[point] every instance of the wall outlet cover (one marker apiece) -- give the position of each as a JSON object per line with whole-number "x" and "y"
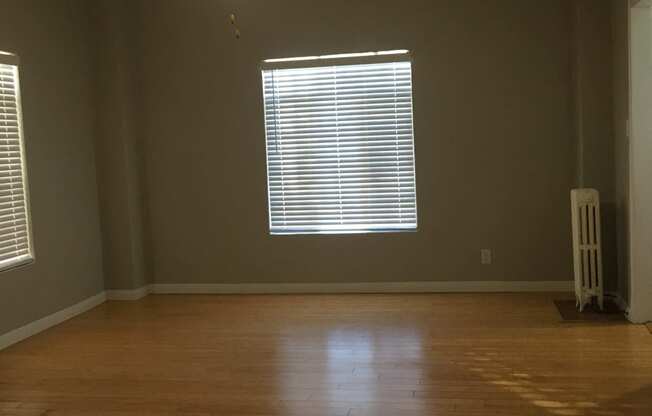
{"x": 485, "y": 256}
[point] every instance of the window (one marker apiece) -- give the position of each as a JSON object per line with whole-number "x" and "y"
{"x": 340, "y": 145}
{"x": 15, "y": 237}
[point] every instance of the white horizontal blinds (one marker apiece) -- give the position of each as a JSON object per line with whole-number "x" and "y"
{"x": 14, "y": 222}
{"x": 340, "y": 149}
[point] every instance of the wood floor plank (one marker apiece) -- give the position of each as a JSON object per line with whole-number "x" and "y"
{"x": 330, "y": 355}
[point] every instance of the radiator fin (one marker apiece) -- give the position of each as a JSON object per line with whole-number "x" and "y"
{"x": 587, "y": 246}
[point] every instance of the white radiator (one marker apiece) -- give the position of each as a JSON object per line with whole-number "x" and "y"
{"x": 587, "y": 247}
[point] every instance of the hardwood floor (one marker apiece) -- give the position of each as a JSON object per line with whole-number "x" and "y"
{"x": 336, "y": 355}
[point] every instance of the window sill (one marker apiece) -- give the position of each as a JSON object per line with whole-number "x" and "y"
{"x": 18, "y": 263}
{"x": 343, "y": 232}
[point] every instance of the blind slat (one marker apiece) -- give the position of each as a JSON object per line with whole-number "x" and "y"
{"x": 10, "y": 259}
{"x": 340, "y": 148}
{"x": 15, "y": 244}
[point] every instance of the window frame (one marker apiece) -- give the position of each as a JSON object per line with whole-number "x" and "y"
{"x": 10, "y": 59}
{"x": 366, "y": 58}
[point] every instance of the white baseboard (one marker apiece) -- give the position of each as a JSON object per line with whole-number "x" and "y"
{"x": 35, "y": 327}
{"x": 370, "y": 287}
{"x": 129, "y": 294}
{"x": 49, "y": 321}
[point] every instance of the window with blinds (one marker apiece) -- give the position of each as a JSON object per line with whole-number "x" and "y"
{"x": 15, "y": 236}
{"x": 340, "y": 144}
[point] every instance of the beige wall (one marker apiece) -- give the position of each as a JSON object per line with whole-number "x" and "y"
{"x": 493, "y": 123}
{"x": 52, "y": 39}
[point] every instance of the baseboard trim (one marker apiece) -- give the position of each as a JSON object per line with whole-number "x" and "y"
{"x": 370, "y": 287}
{"x": 128, "y": 294}
{"x": 56, "y": 318}
{"x": 33, "y": 328}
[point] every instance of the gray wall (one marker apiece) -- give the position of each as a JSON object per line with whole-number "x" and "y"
{"x": 57, "y": 74}
{"x": 119, "y": 144}
{"x": 594, "y": 124}
{"x": 495, "y": 139}
{"x": 173, "y": 104}
{"x": 620, "y": 25}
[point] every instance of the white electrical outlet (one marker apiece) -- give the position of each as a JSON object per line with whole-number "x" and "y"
{"x": 485, "y": 256}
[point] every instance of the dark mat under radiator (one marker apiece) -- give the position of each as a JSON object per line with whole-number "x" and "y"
{"x": 569, "y": 312}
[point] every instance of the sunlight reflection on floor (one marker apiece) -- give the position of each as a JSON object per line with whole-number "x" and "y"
{"x": 518, "y": 382}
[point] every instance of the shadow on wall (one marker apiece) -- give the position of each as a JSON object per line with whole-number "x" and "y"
{"x": 609, "y": 246}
